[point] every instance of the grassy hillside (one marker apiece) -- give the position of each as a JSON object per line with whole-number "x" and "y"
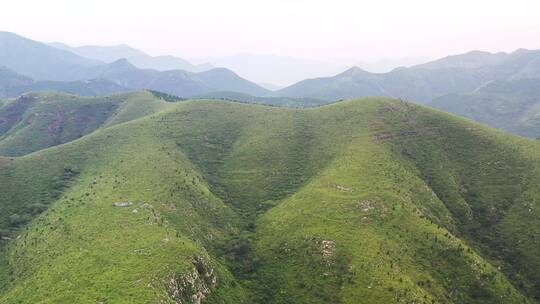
{"x": 368, "y": 201}
{"x": 40, "y": 120}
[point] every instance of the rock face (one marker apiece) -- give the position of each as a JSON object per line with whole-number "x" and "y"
{"x": 192, "y": 287}
{"x": 122, "y": 204}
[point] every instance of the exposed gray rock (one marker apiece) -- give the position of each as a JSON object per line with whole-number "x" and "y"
{"x": 122, "y": 204}
{"x": 194, "y": 286}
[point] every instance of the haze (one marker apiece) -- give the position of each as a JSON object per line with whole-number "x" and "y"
{"x": 344, "y": 31}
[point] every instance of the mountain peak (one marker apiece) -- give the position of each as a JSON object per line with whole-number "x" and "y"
{"x": 122, "y": 62}
{"x": 354, "y": 71}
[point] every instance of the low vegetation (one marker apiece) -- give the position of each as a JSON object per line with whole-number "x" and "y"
{"x": 366, "y": 201}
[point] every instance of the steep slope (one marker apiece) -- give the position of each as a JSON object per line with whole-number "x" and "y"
{"x": 140, "y": 59}
{"x": 40, "y": 120}
{"x": 391, "y": 212}
{"x": 40, "y": 61}
{"x": 151, "y": 250}
{"x": 371, "y": 201}
{"x": 513, "y": 106}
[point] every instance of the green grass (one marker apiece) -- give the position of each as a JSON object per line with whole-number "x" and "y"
{"x": 369, "y": 201}
{"x": 41, "y": 120}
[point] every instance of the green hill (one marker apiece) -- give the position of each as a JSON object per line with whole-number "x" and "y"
{"x": 367, "y": 201}
{"x": 40, "y": 120}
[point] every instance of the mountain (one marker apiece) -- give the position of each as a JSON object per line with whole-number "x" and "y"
{"x": 423, "y": 83}
{"x": 280, "y": 70}
{"x": 13, "y": 85}
{"x": 58, "y": 69}
{"x": 140, "y": 59}
{"x": 365, "y": 201}
{"x": 10, "y": 80}
{"x": 470, "y": 60}
{"x": 222, "y": 79}
{"x": 513, "y": 106}
{"x": 40, "y": 61}
{"x": 270, "y": 86}
{"x": 388, "y": 64}
{"x": 121, "y": 76}
{"x": 351, "y": 83}
{"x": 285, "y": 70}
{"x": 177, "y": 82}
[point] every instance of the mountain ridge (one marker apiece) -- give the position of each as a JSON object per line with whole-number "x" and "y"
{"x": 140, "y": 59}
{"x": 425, "y": 82}
{"x": 38, "y": 60}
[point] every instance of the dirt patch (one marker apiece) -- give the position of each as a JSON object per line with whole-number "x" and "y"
{"x": 55, "y": 128}
{"x": 390, "y": 135}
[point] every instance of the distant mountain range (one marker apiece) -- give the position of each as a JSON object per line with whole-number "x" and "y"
{"x": 178, "y": 82}
{"x": 286, "y": 70}
{"x": 499, "y": 89}
{"x": 512, "y": 105}
{"x": 423, "y": 83}
{"x": 30, "y": 65}
{"x": 40, "y": 61}
{"x": 13, "y": 84}
{"x": 138, "y": 58}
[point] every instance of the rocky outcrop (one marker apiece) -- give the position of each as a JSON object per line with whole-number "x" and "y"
{"x": 194, "y": 286}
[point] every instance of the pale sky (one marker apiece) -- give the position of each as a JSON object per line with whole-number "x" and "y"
{"x": 316, "y": 29}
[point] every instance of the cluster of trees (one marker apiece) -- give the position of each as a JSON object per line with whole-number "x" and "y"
{"x": 166, "y": 97}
